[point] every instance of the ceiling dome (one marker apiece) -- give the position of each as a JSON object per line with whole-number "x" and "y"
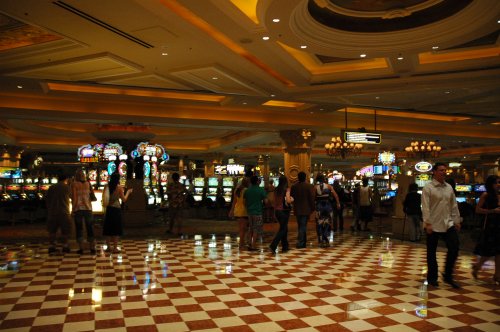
{"x": 382, "y": 16}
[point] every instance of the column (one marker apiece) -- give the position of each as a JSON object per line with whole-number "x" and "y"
{"x": 263, "y": 163}
{"x": 10, "y": 156}
{"x": 210, "y": 161}
{"x": 298, "y": 145}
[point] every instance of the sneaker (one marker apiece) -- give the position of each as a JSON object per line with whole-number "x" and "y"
{"x": 66, "y": 250}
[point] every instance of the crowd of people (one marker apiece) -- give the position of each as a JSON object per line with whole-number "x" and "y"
{"x": 433, "y": 213}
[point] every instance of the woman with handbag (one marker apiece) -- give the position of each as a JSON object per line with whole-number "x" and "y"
{"x": 239, "y": 210}
{"x": 113, "y": 227}
{"x": 489, "y": 242}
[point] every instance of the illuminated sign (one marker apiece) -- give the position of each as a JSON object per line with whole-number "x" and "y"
{"x": 362, "y": 137}
{"x": 453, "y": 165}
{"x": 89, "y": 159}
{"x": 152, "y": 150}
{"x": 423, "y": 167}
{"x": 386, "y": 158}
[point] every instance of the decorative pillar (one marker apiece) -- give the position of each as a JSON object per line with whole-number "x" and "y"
{"x": 10, "y": 156}
{"x": 298, "y": 145}
{"x": 210, "y": 161}
{"x": 263, "y": 163}
{"x": 181, "y": 165}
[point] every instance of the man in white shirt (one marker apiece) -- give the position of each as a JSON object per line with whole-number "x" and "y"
{"x": 441, "y": 220}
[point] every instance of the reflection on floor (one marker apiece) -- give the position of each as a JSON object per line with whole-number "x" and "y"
{"x": 359, "y": 283}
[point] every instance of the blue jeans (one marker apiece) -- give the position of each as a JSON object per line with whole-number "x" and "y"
{"x": 451, "y": 239}
{"x": 84, "y": 217}
{"x": 302, "y": 226}
{"x": 282, "y": 235}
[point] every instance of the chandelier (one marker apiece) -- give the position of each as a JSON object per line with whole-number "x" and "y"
{"x": 340, "y": 149}
{"x": 423, "y": 149}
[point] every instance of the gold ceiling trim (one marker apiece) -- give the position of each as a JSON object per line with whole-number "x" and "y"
{"x": 281, "y": 103}
{"x": 402, "y": 114}
{"x": 218, "y": 36}
{"x": 430, "y": 57}
{"x": 247, "y": 7}
{"x": 123, "y": 91}
{"x": 314, "y": 67}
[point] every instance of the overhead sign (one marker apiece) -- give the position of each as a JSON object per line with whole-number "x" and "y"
{"x": 423, "y": 167}
{"x": 362, "y": 137}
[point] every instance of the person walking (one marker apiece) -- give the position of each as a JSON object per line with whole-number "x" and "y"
{"x": 303, "y": 197}
{"x": 255, "y": 197}
{"x": 113, "y": 227}
{"x": 413, "y": 211}
{"x": 239, "y": 210}
{"x": 489, "y": 242}
{"x": 58, "y": 203}
{"x": 282, "y": 204}
{"x": 365, "y": 203}
{"x": 338, "y": 211}
{"x": 176, "y": 193}
{"x": 441, "y": 220}
{"x": 82, "y": 211}
{"x": 355, "y": 208}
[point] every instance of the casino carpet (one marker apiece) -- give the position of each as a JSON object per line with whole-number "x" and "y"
{"x": 359, "y": 283}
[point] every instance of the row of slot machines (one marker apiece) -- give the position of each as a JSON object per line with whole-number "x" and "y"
{"x": 469, "y": 193}
{"x": 219, "y": 187}
{"x": 25, "y": 189}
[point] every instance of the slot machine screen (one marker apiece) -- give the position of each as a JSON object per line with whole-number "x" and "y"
{"x": 262, "y": 182}
{"x": 378, "y": 170}
{"x": 213, "y": 182}
{"x": 213, "y": 198}
{"x": 197, "y": 198}
{"x": 463, "y": 187}
{"x": 391, "y": 193}
{"x": 227, "y": 182}
{"x": 199, "y": 182}
{"x": 212, "y": 191}
{"x": 461, "y": 199}
{"x": 228, "y": 191}
{"x": 479, "y": 188}
{"x": 198, "y": 191}
{"x": 331, "y": 181}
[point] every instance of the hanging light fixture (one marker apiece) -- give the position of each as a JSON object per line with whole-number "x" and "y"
{"x": 423, "y": 149}
{"x": 338, "y": 148}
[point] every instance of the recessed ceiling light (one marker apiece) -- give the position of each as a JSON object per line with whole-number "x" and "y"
{"x": 400, "y": 58}
{"x": 19, "y": 86}
{"x": 447, "y": 92}
{"x": 265, "y": 38}
{"x": 435, "y": 47}
{"x": 276, "y": 20}
{"x": 273, "y": 96}
{"x": 312, "y": 112}
{"x": 215, "y": 78}
{"x": 362, "y": 55}
{"x": 303, "y": 46}
{"x": 377, "y": 97}
{"x": 244, "y": 103}
{"x": 321, "y": 109}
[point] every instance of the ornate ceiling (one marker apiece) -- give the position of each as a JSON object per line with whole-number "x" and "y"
{"x": 199, "y": 78}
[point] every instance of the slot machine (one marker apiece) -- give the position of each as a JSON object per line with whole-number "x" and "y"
{"x": 92, "y": 177}
{"x": 213, "y": 188}
{"x": 164, "y": 184}
{"x": 199, "y": 187}
{"x": 103, "y": 178}
{"x": 227, "y": 188}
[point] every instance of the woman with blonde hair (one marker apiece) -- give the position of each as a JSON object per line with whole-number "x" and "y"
{"x": 239, "y": 209}
{"x": 82, "y": 211}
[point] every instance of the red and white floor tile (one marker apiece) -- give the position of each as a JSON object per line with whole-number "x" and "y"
{"x": 357, "y": 284}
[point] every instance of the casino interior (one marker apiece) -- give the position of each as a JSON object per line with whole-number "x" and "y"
{"x": 212, "y": 89}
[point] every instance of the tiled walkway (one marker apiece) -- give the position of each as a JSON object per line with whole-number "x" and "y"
{"x": 360, "y": 283}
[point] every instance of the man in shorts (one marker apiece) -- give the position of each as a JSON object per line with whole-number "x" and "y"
{"x": 58, "y": 213}
{"x": 255, "y": 197}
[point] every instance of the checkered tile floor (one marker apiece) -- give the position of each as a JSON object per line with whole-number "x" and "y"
{"x": 357, "y": 284}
